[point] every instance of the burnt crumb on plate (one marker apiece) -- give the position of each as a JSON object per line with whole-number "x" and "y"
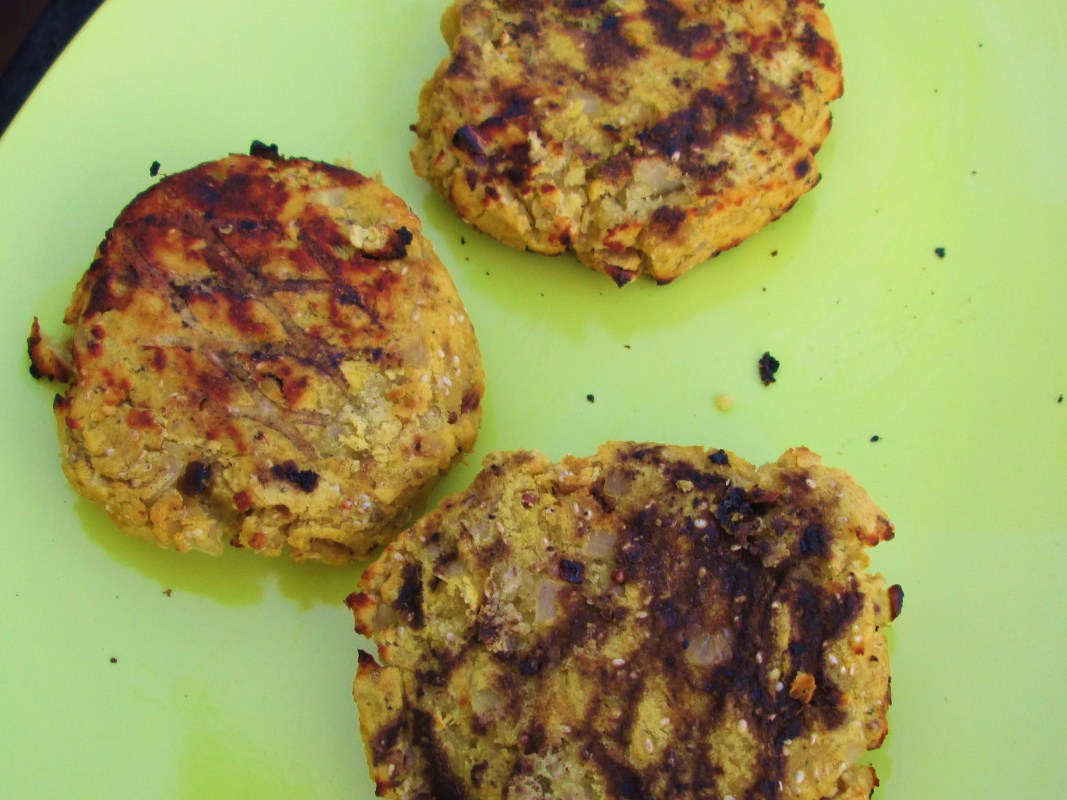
{"x": 114, "y": 660}
{"x": 939, "y": 252}
{"x": 153, "y": 170}
{"x": 768, "y": 366}
{"x": 262, "y": 150}
{"x": 591, "y": 398}
{"x": 876, "y": 438}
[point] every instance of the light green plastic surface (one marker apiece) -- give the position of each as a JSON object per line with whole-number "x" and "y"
{"x": 232, "y": 675}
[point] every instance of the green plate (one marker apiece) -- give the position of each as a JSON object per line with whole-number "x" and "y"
{"x": 128, "y": 671}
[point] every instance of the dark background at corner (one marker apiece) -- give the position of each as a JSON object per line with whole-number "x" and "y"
{"x": 32, "y": 34}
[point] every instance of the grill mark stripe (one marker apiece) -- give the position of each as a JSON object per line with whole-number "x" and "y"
{"x": 244, "y": 280}
{"x": 269, "y": 413}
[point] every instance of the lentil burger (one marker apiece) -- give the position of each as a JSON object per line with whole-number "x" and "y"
{"x": 266, "y": 352}
{"x": 644, "y": 135}
{"x": 650, "y": 621}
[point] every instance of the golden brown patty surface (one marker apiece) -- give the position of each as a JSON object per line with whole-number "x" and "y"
{"x": 644, "y": 135}
{"x": 266, "y": 352}
{"x": 650, "y": 621}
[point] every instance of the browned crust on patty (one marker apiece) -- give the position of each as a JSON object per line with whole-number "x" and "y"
{"x": 643, "y": 135}
{"x": 650, "y": 621}
{"x": 266, "y": 352}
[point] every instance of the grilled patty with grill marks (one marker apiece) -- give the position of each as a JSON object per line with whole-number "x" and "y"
{"x": 650, "y": 621}
{"x": 643, "y": 135}
{"x": 266, "y": 352}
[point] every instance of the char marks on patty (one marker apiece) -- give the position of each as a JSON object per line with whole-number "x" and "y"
{"x": 659, "y": 622}
{"x": 265, "y": 352}
{"x": 560, "y": 125}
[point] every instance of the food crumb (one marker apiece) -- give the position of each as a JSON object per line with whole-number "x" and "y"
{"x": 939, "y": 252}
{"x": 768, "y": 366}
{"x": 590, "y": 398}
{"x": 114, "y": 660}
{"x": 774, "y": 252}
{"x": 168, "y": 592}
{"x": 1059, "y": 399}
{"x": 724, "y": 402}
{"x": 153, "y": 170}
{"x": 876, "y": 438}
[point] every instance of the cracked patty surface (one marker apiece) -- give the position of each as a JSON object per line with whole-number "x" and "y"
{"x": 643, "y": 135}
{"x": 649, "y": 621}
{"x": 266, "y": 352}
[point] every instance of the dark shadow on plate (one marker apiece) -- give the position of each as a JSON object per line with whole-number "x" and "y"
{"x": 235, "y": 579}
{"x": 574, "y": 297}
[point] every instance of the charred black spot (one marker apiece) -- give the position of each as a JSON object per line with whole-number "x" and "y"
{"x": 431, "y": 677}
{"x": 466, "y": 140}
{"x": 409, "y": 599}
{"x": 195, "y": 479}
{"x": 620, "y": 275}
{"x": 532, "y": 739}
{"x": 530, "y": 664}
{"x": 489, "y": 630}
{"x": 815, "y": 541}
{"x": 616, "y": 167}
{"x": 766, "y": 788}
{"x": 443, "y": 783}
{"x": 672, "y": 30}
{"x": 733, "y": 506}
{"x": 790, "y": 731}
{"x": 395, "y": 246}
{"x": 386, "y": 738}
{"x": 676, "y": 134}
{"x": 802, "y": 168}
{"x": 571, "y": 571}
{"x": 305, "y": 480}
{"x": 703, "y": 481}
{"x": 582, "y": 6}
{"x": 666, "y": 220}
{"x": 261, "y": 150}
{"x": 896, "y": 600}
{"x": 816, "y": 47}
{"x": 515, "y": 104}
{"x": 768, "y": 366}
{"x": 472, "y": 398}
{"x": 737, "y": 105}
{"x": 668, "y": 615}
{"x": 609, "y": 48}
{"x": 624, "y": 782}
{"x": 478, "y": 773}
{"x": 491, "y": 126}
{"x": 110, "y": 292}
{"x": 514, "y": 164}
